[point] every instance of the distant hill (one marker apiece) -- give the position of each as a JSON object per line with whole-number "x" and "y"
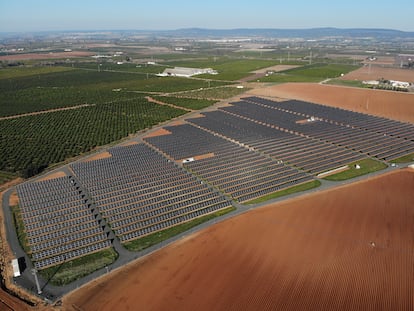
{"x": 312, "y": 33}
{"x": 293, "y": 33}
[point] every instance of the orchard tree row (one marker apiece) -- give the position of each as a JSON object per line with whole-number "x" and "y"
{"x": 30, "y": 144}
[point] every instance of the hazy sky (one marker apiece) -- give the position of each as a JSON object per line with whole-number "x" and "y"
{"x": 39, "y": 15}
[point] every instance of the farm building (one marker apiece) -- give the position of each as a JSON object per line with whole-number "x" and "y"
{"x": 186, "y": 72}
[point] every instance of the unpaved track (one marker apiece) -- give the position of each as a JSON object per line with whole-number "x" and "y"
{"x": 349, "y": 248}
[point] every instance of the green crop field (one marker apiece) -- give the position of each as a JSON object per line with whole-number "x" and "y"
{"x": 310, "y": 73}
{"x": 31, "y": 143}
{"x": 64, "y": 87}
{"x": 125, "y": 67}
{"x": 6, "y": 176}
{"x": 228, "y": 69}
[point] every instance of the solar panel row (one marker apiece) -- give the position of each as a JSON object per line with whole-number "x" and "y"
{"x": 59, "y": 223}
{"x": 140, "y": 192}
{"x": 239, "y": 172}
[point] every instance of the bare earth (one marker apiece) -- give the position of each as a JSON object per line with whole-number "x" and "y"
{"x": 40, "y": 56}
{"x": 99, "y": 156}
{"x": 376, "y": 73}
{"x": 347, "y": 248}
{"x": 394, "y": 105}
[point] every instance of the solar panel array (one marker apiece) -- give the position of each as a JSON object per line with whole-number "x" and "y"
{"x": 59, "y": 222}
{"x": 239, "y": 172}
{"x": 139, "y": 192}
{"x": 310, "y": 155}
{"x": 377, "y": 137}
{"x": 249, "y": 149}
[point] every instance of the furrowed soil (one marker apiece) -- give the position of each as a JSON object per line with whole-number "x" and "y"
{"x": 394, "y": 105}
{"x": 349, "y": 248}
{"x": 376, "y": 73}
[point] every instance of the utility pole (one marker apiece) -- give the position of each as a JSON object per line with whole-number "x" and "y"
{"x": 39, "y": 290}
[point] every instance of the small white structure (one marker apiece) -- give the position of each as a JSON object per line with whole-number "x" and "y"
{"x": 371, "y": 82}
{"x": 188, "y": 160}
{"x": 400, "y": 84}
{"x": 186, "y": 72}
{"x": 16, "y": 269}
{"x": 357, "y": 166}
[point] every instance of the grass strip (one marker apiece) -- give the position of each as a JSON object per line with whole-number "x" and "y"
{"x": 366, "y": 166}
{"x": 20, "y": 230}
{"x": 299, "y": 188}
{"x": 157, "y": 237}
{"x": 75, "y": 269}
{"x": 405, "y": 159}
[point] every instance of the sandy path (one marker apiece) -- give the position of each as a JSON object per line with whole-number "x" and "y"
{"x": 394, "y": 105}
{"x": 348, "y": 248}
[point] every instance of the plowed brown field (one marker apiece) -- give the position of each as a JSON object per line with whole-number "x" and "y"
{"x": 10, "y": 303}
{"x": 394, "y": 105}
{"x": 376, "y": 73}
{"x": 350, "y": 248}
{"x": 73, "y": 54}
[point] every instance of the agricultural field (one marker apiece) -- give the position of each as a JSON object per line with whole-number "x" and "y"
{"x": 125, "y": 67}
{"x": 324, "y": 251}
{"x": 310, "y": 73}
{"x": 62, "y": 88}
{"x": 6, "y": 176}
{"x": 105, "y": 106}
{"x": 31, "y": 143}
{"x": 228, "y": 69}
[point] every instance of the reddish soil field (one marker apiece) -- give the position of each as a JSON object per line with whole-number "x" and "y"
{"x": 10, "y": 303}
{"x": 40, "y": 56}
{"x": 394, "y": 105}
{"x": 350, "y": 248}
{"x": 376, "y": 73}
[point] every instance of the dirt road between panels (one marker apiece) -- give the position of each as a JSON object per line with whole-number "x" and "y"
{"x": 349, "y": 248}
{"x": 394, "y": 105}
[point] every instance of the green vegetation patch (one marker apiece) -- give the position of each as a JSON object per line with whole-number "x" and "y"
{"x": 299, "y": 188}
{"x": 32, "y": 143}
{"x": 405, "y": 159}
{"x": 190, "y": 103}
{"x": 215, "y": 93}
{"x": 6, "y": 177}
{"x": 125, "y": 67}
{"x": 228, "y": 69}
{"x": 310, "y": 73}
{"x": 32, "y": 93}
{"x": 20, "y": 72}
{"x": 155, "y": 238}
{"x": 77, "y": 268}
{"x": 351, "y": 83}
{"x": 366, "y": 166}
{"x": 20, "y": 229}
